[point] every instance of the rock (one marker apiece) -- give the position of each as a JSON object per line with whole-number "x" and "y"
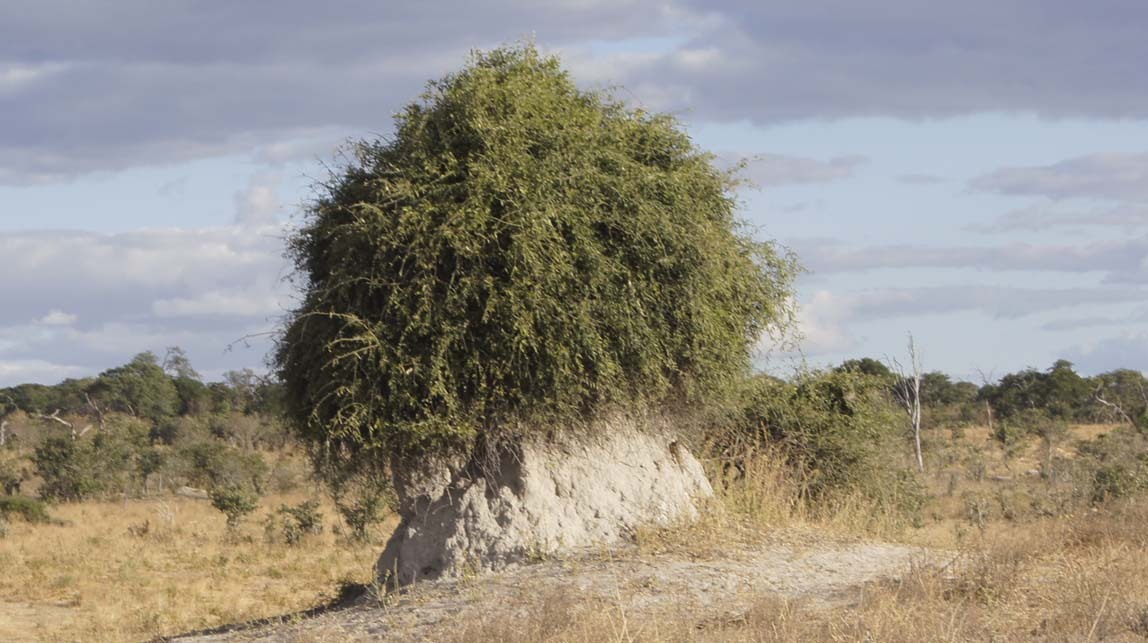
{"x": 537, "y": 498}
{"x": 192, "y": 492}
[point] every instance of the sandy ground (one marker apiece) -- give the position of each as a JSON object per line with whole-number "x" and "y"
{"x": 643, "y": 586}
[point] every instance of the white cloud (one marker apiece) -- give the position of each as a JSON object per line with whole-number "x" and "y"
{"x": 40, "y": 371}
{"x": 1124, "y": 350}
{"x": 823, "y": 322}
{"x": 258, "y": 205}
{"x": 220, "y": 304}
{"x": 1044, "y": 216}
{"x": 58, "y": 318}
{"x": 1119, "y": 261}
{"x": 770, "y": 170}
{"x": 1121, "y": 177}
{"x": 110, "y": 296}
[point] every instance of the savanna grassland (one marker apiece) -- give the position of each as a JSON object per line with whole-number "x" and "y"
{"x": 120, "y": 491}
{"x": 139, "y": 569}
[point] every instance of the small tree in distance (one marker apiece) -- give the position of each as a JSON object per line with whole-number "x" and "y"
{"x": 518, "y": 256}
{"x": 907, "y": 392}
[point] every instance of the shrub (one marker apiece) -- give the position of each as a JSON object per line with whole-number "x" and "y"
{"x": 832, "y": 429}
{"x": 519, "y": 253}
{"x": 210, "y": 464}
{"x": 235, "y": 503}
{"x": 65, "y": 470}
{"x": 292, "y": 524}
{"x": 29, "y": 509}
{"x": 1112, "y": 481}
{"x": 107, "y": 463}
{"x": 11, "y": 473}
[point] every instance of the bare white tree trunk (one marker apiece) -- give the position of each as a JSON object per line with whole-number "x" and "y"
{"x": 55, "y": 417}
{"x": 1111, "y": 405}
{"x": 99, "y": 412}
{"x": 3, "y": 432}
{"x": 908, "y": 393}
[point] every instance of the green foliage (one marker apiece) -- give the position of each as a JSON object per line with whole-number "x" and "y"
{"x": 293, "y": 523}
{"x": 65, "y": 470}
{"x": 832, "y": 429}
{"x": 519, "y": 249}
{"x": 866, "y": 366}
{"x": 29, "y": 509}
{"x": 235, "y": 503}
{"x": 362, "y": 493}
{"x": 1113, "y": 466}
{"x": 109, "y": 462}
{"x": 211, "y": 464}
{"x": 938, "y": 389}
{"x": 139, "y": 388}
{"x": 1059, "y": 391}
{"x": 1117, "y": 480}
{"x": 12, "y": 474}
{"x": 1126, "y": 392}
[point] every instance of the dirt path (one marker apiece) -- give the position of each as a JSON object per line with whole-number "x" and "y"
{"x": 642, "y": 586}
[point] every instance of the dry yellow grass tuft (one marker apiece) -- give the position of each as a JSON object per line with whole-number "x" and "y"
{"x": 135, "y": 570}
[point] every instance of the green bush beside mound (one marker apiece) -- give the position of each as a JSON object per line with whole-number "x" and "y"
{"x": 835, "y": 431}
{"x": 519, "y": 253}
{"x": 28, "y": 509}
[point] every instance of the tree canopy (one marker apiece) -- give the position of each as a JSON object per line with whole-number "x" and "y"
{"x": 520, "y": 252}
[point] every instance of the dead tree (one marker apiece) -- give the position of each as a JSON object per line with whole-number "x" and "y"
{"x": 907, "y": 392}
{"x": 98, "y": 411}
{"x": 1096, "y": 396}
{"x": 55, "y": 417}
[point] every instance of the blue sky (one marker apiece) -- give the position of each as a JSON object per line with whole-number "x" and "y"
{"x": 976, "y": 174}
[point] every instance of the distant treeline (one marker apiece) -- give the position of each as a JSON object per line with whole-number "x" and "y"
{"x": 153, "y": 425}
{"x": 1057, "y": 393}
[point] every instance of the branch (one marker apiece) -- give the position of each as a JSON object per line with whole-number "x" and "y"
{"x": 99, "y": 413}
{"x": 55, "y": 417}
{"x": 1113, "y": 406}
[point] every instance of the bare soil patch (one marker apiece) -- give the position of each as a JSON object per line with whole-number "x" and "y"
{"x": 640, "y": 588}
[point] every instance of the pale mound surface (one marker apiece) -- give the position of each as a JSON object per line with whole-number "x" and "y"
{"x": 642, "y": 587}
{"x": 541, "y": 498}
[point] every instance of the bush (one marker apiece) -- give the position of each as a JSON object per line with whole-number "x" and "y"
{"x": 1113, "y": 466}
{"x": 65, "y": 469}
{"x": 210, "y": 464}
{"x": 29, "y": 509}
{"x": 519, "y": 253}
{"x": 292, "y": 524}
{"x": 107, "y": 463}
{"x": 11, "y": 473}
{"x": 235, "y": 503}
{"x": 832, "y": 429}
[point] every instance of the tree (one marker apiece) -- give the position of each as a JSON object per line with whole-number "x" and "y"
{"x": 1060, "y": 391}
{"x": 1123, "y": 395}
{"x": 866, "y": 366}
{"x": 907, "y": 391}
{"x": 518, "y": 254}
{"x": 177, "y": 365}
{"x": 139, "y": 388}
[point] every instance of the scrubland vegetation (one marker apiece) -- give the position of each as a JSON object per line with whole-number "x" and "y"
{"x": 122, "y": 532}
{"x": 1047, "y": 543}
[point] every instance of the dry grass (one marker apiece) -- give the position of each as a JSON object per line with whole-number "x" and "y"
{"x": 141, "y": 569}
{"x": 1022, "y": 574}
{"x": 1025, "y": 572}
{"x": 1079, "y": 579}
